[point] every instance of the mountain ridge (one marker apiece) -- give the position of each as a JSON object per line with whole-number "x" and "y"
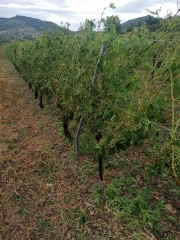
{"x": 149, "y": 20}
{"x": 24, "y": 28}
{"x": 28, "y": 28}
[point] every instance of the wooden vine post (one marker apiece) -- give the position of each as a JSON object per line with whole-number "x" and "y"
{"x": 78, "y": 137}
{"x": 94, "y": 78}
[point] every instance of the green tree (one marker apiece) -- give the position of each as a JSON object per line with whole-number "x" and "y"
{"x": 112, "y": 23}
{"x": 90, "y": 24}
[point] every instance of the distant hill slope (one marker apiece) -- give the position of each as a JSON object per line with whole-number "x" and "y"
{"x": 149, "y": 20}
{"x": 27, "y": 28}
{"x": 2, "y": 20}
{"x": 20, "y": 28}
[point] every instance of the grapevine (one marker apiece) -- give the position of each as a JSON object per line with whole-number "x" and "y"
{"x": 128, "y": 97}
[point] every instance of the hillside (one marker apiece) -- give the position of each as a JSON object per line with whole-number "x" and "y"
{"x": 149, "y": 20}
{"x": 2, "y": 20}
{"x": 20, "y": 28}
{"x": 27, "y": 28}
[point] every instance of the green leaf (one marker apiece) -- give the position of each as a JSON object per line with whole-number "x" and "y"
{"x": 176, "y": 143}
{"x": 112, "y": 5}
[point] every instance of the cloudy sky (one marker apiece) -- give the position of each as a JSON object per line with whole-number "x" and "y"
{"x": 77, "y": 11}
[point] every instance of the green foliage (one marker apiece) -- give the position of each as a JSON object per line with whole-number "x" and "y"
{"x": 155, "y": 169}
{"x": 133, "y": 205}
{"x": 42, "y": 224}
{"x": 81, "y": 214}
{"x": 112, "y": 5}
{"x": 152, "y": 23}
{"x": 165, "y": 157}
{"x": 130, "y": 97}
{"x": 112, "y": 23}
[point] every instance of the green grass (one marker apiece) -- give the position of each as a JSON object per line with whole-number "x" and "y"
{"x": 131, "y": 204}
